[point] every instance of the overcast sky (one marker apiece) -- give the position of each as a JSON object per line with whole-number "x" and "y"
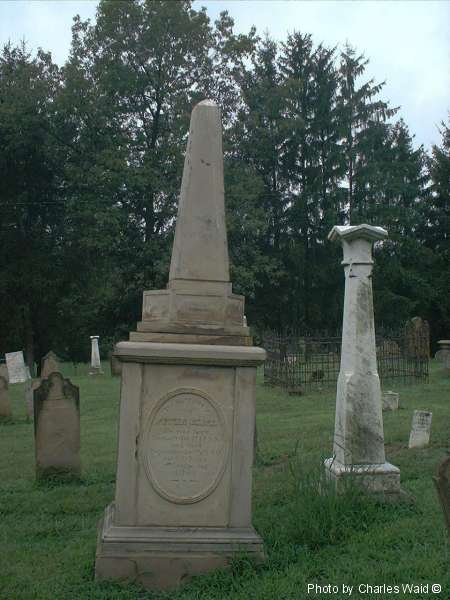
{"x": 407, "y": 42}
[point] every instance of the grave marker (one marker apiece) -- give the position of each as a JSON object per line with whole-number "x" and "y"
{"x": 57, "y": 427}
{"x": 187, "y": 414}
{"x": 358, "y": 435}
{"x": 17, "y": 370}
{"x": 49, "y": 364}
{"x": 96, "y": 365}
{"x": 5, "y": 402}
{"x": 420, "y": 429}
{"x": 390, "y": 400}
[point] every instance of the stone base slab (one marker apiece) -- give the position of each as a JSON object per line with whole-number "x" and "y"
{"x": 380, "y": 479}
{"x": 166, "y": 557}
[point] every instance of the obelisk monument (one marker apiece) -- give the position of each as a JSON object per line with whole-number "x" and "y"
{"x": 183, "y": 492}
{"x": 358, "y": 435}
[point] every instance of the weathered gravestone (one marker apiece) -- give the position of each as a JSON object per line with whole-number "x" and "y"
{"x": 96, "y": 365}
{"x": 31, "y": 385}
{"x": 417, "y": 338}
{"x": 57, "y": 427}
{"x": 420, "y": 429}
{"x": 5, "y": 402}
{"x": 442, "y": 482}
{"x": 187, "y": 414}
{"x": 49, "y": 364}
{"x": 443, "y": 354}
{"x": 390, "y": 400}
{"x": 4, "y": 371}
{"x": 17, "y": 371}
{"x": 358, "y": 435}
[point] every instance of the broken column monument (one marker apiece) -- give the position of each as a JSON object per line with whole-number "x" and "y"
{"x": 187, "y": 414}
{"x": 358, "y": 436}
{"x": 96, "y": 365}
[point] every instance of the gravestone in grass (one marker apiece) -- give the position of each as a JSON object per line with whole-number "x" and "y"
{"x": 30, "y": 386}
{"x": 5, "y": 402}
{"x": 390, "y": 400}
{"x": 57, "y": 427}
{"x": 419, "y": 436}
{"x": 443, "y": 354}
{"x": 183, "y": 493}
{"x": 49, "y": 364}
{"x": 4, "y": 371}
{"x": 358, "y": 435}
{"x": 17, "y": 371}
{"x": 96, "y": 365}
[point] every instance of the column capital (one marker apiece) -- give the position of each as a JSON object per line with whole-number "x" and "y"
{"x": 357, "y": 241}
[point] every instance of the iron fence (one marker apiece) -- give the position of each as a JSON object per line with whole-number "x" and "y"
{"x": 303, "y": 362}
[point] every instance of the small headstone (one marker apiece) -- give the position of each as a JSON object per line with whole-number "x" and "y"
{"x": 443, "y": 354}
{"x": 17, "y": 370}
{"x": 5, "y": 402}
{"x": 420, "y": 429}
{"x": 32, "y": 385}
{"x": 49, "y": 364}
{"x": 390, "y": 400}
{"x": 57, "y": 427}
{"x": 442, "y": 482}
{"x": 96, "y": 365}
{"x": 4, "y": 371}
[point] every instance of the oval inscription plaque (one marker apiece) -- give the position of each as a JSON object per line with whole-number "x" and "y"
{"x": 185, "y": 451}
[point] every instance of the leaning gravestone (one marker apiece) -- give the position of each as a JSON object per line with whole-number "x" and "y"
{"x": 442, "y": 482}
{"x": 5, "y": 402}
{"x": 420, "y": 429}
{"x": 49, "y": 364}
{"x": 17, "y": 370}
{"x": 390, "y": 400}
{"x": 187, "y": 414}
{"x": 57, "y": 427}
{"x": 358, "y": 435}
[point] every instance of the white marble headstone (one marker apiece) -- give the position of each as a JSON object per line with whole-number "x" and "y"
{"x": 17, "y": 370}
{"x": 420, "y": 429}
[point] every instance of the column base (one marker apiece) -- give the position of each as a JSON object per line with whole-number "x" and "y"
{"x": 166, "y": 557}
{"x": 381, "y": 480}
{"x": 95, "y": 371}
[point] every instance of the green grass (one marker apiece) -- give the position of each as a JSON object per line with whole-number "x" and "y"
{"x": 48, "y": 531}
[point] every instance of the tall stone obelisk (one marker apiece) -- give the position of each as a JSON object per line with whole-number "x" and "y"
{"x": 358, "y": 435}
{"x": 187, "y": 413}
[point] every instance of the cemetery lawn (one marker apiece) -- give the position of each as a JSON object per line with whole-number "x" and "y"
{"x": 48, "y": 532}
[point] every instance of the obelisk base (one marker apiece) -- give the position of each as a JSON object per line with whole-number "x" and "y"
{"x": 166, "y": 557}
{"x": 381, "y": 480}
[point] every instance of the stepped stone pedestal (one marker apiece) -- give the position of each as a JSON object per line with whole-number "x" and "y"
{"x": 183, "y": 494}
{"x": 358, "y": 436}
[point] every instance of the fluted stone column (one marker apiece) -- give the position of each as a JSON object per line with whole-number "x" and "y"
{"x": 358, "y": 436}
{"x": 96, "y": 365}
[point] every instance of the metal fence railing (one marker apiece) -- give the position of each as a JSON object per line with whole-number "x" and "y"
{"x": 303, "y": 362}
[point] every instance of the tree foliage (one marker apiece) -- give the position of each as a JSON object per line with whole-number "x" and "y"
{"x": 90, "y": 167}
